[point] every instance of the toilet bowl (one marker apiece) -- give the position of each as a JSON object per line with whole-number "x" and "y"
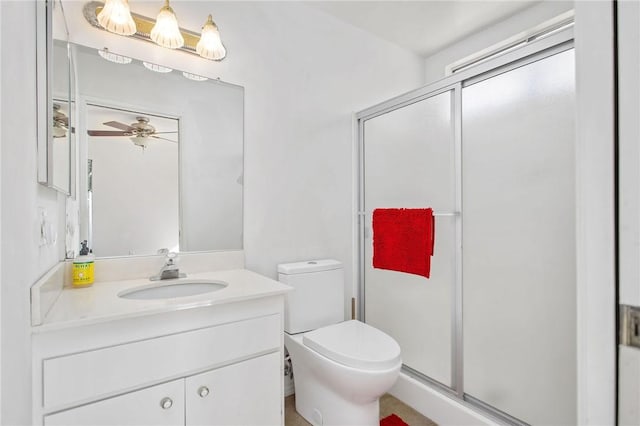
{"x": 340, "y": 368}
{"x": 339, "y": 382}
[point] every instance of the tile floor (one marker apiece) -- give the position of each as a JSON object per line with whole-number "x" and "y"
{"x": 388, "y": 405}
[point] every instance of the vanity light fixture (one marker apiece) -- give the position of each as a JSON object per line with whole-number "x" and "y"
{"x": 210, "y": 46}
{"x": 166, "y": 31}
{"x": 116, "y": 17}
{"x": 194, "y": 77}
{"x": 114, "y": 57}
{"x": 156, "y": 67}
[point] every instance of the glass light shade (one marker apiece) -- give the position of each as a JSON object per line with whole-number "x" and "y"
{"x": 194, "y": 77}
{"x": 141, "y": 141}
{"x": 156, "y": 67}
{"x": 115, "y": 17}
{"x": 166, "y": 31}
{"x": 114, "y": 57}
{"x": 210, "y": 46}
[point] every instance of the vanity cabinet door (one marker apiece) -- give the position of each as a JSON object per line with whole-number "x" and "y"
{"x": 246, "y": 393}
{"x": 161, "y": 405}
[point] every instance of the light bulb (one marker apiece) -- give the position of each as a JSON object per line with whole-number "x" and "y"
{"x": 210, "y": 46}
{"x": 115, "y": 17}
{"x": 166, "y": 31}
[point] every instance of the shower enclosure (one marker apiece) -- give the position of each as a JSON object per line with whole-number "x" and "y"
{"x": 491, "y": 150}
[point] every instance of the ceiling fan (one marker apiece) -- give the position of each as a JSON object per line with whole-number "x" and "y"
{"x": 139, "y": 132}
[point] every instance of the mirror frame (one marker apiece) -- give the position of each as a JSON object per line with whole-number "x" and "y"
{"x": 44, "y": 93}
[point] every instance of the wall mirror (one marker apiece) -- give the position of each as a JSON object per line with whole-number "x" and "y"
{"x": 160, "y": 157}
{"x": 132, "y": 161}
{"x": 56, "y": 98}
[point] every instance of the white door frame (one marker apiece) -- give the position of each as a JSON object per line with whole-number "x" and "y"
{"x": 595, "y": 221}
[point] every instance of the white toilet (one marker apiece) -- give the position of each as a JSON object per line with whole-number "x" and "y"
{"x": 340, "y": 368}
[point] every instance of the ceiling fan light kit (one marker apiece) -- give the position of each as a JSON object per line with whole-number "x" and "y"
{"x": 163, "y": 31}
{"x": 60, "y": 122}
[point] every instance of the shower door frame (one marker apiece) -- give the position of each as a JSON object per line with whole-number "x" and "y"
{"x": 532, "y": 52}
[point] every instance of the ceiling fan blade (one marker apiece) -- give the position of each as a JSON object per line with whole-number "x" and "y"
{"x": 158, "y": 137}
{"x": 119, "y": 125}
{"x": 107, "y": 133}
{"x": 157, "y": 133}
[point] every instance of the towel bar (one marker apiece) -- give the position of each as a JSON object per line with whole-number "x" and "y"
{"x": 435, "y": 214}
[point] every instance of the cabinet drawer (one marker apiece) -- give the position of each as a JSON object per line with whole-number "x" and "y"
{"x": 95, "y": 374}
{"x": 140, "y": 408}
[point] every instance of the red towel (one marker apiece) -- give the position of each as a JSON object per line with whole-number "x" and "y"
{"x": 403, "y": 240}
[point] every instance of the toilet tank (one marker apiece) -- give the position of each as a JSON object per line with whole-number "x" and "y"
{"x": 317, "y": 298}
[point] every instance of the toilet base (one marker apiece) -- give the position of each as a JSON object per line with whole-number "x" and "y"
{"x": 331, "y": 394}
{"x": 327, "y": 409}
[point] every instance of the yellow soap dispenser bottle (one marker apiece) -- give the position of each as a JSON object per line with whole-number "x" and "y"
{"x": 83, "y": 267}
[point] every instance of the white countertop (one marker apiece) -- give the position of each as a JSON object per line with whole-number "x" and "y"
{"x": 100, "y": 302}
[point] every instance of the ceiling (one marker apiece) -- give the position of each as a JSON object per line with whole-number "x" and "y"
{"x": 423, "y": 27}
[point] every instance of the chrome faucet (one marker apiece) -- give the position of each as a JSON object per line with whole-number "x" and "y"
{"x": 170, "y": 269}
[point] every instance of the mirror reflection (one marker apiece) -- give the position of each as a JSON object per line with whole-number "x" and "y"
{"x": 133, "y": 162}
{"x": 160, "y": 158}
{"x": 62, "y": 108}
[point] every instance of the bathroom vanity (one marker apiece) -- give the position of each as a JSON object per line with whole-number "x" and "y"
{"x": 208, "y": 359}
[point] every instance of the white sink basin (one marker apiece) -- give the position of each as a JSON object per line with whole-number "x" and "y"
{"x": 173, "y": 288}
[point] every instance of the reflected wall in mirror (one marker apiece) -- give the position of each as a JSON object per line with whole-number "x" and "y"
{"x": 132, "y": 162}
{"x": 61, "y": 121}
{"x": 200, "y": 195}
{"x": 56, "y": 102}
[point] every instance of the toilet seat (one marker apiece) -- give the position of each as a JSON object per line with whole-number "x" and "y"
{"x": 355, "y": 344}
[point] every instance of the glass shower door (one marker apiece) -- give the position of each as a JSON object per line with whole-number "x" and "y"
{"x": 518, "y": 193}
{"x": 409, "y": 161}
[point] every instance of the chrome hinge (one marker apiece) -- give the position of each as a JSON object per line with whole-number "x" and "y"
{"x": 630, "y": 325}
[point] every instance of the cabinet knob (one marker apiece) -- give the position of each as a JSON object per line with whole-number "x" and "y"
{"x": 166, "y": 403}
{"x": 203, "y": 391}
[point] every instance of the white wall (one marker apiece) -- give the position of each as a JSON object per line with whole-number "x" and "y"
{"x": 530, "y": 17}
{"x": 304, "y": 73}
{"x": 23, "y": 260}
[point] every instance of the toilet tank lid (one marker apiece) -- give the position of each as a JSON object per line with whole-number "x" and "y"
{"x": 308, "y": 266}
